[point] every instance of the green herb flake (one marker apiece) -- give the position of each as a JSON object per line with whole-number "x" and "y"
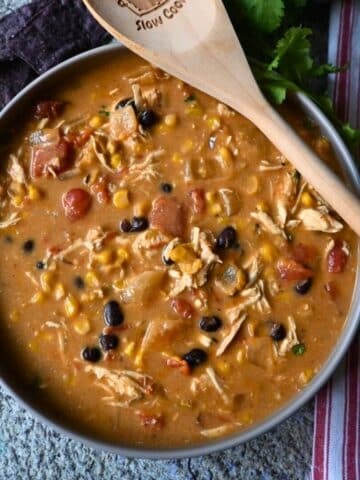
{"x": 299, "y": 349}
{"x": 190, "y": 98}
{"x": 104, "y": 112}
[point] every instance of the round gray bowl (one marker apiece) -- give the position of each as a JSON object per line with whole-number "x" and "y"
{"x": 10, "y": 115}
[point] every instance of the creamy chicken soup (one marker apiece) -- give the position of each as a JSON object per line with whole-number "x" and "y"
{"x": 167, "y": 277}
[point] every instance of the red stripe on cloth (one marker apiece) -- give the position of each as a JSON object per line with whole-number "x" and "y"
{"x": 328, "y": 425}
{"x": 346, "y": 413}
{"x": 353, "y": 411}
{"x": 342, "y": 81}
{"x": 321, "y": 410}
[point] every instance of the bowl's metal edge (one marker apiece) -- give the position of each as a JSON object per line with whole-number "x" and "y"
{"x": 292, "y": 406}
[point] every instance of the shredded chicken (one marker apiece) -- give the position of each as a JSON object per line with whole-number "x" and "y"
{"x": 268, "y": 223}
{"x": 230, "y": 335}
{"x": 125, "y": 386}
{"x": 285, "y": 190}
{"x": 16, "y": 170}
{"x": 251, "y": 296}
{"x": 138, "y": 96}
{"x": 145, "y": 170}
{"x": 266, "y": 166}
{"x": 319, "y": 220}
{"x": 291, "y": 337}
{"x": 216, "y": 383}
{"x": 99, "y": 153}
{"x": 254, "y": 267}
{"x": 149, "y": 242}
{"x": 202, "y": 245}
{"x": 12, "y": 219}
{"x": 215, "y": 432}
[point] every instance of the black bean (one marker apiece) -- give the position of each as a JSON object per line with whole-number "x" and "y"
{"x": 91, "y": 354}
{"x": 125, "y": 225}
{"x": 40, "y": 265}
{"x": 109, "y": 342}
{"x": 227, "y": 238}
{"x": 124, "y": 102}
{"x": 28, "y": 246}
{"x": 167, "y": 261}
{"x": 195, "y": 357}
{"x": 147, "y": 118}
{"x": 277, "y": 332}
{"x": 210, "y": 324}
{"x": 113, "y": 316}
{"x": 166, "y": 187}
{"x": 139, "y": 224}
{"x": 303, "y": 286}
{"x": 79, "y": 282}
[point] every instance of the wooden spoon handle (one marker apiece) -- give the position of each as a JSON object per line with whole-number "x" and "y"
{"x": 313, "y": 169}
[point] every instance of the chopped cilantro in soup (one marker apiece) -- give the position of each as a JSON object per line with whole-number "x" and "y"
{"x": 167, "y": 276}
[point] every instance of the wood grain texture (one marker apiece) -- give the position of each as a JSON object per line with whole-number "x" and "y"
{"x": 198, "y": 45}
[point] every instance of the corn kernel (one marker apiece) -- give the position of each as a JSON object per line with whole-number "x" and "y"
{"x": 187, "y": 146}
{"x": 240, "y": 356}
{"x": 91, "y": 279}
{"x": 213, "y": 123}
{"x": 215, "y": 209}
{"x": 121, "y": 199}
{"x": 38, "y": 297}
{"x": 252, "y": 185}
{"x": 119, "y": 284}
{"x": 262, "y": 206}
{"x": 141, "y": 208}
{"x": 71, "y": 306}
{"x": 182, "y": 254}
{"x": 15, "y": 316}
{"x": 68, "y": 379}
{"x": 111, "y": 147}
{"x": 59, "y": 291}
{"x": 226, "y": 156}
{"x": 193, "y": 109}
{"x": 96, "y": 121}
{"x": 223, "y": 367}
{"x": 176, "y": 158}
{"x": 268, "y": 252}
{"x": 171, "y": 119}
{"x": 105, "y": 257}
{"x": 46, "y": 281}
{"x": 34, "y": 193}
{"x": 129, "y": 349}
{"x": 306, "y": 376}
{"x": 122, "y": 254}
{"x": 210, "y": 197}
{"x": 116, "y": 160}
{"x": 162, "y": 129}
{"x": 307, "y": 200}
{"x": 17, "y": 200}
{"x": 81, "y": 325}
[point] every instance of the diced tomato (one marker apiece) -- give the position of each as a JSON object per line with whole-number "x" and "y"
{"x": 182, "y": 308}
{"x": 56, "y": 157}
{"x": 79, "y": 139}
{"x": 197, "y": 200}
{"x": 101, "y": 189}
{"x": 331, "y": 289}
{"x": 305, "y": 254}
{"x": 168, "y": 216}
{"x": 76, "y": 203}
{"x": 48, "y": 109}
{"x": 290, "y": 269}
{"x": 182, "y": 365}
{"x": 337, "y": 258}
{"x": 155, "y": 421}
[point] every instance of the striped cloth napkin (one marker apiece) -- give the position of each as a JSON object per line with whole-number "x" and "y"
{"x": 336, "y": 448}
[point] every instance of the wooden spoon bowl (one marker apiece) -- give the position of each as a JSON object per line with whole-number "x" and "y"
{"x": 194, "y": 40}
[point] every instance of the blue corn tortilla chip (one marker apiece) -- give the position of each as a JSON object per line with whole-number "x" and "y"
{"x": 40, "y": 35}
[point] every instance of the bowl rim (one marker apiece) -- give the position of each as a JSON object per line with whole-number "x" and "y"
{"x": 293, "y": 404}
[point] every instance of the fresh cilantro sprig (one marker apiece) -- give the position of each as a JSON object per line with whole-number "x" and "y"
{"x": 279, "y": 52}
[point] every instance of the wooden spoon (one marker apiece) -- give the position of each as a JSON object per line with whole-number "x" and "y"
{"x": 194, "y": 40}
